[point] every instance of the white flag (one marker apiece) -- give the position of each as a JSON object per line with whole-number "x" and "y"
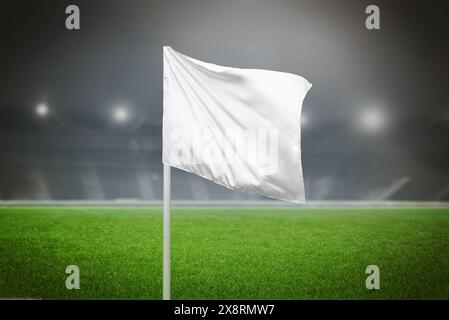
{"x": 237, "y": 127}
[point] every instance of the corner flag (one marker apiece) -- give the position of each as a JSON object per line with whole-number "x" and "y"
{"x": 239, "y": 128}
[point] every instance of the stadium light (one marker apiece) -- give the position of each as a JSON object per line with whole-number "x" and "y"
{"x": 42, "y": 110}
{"x": 372, "y": 120}
{"x": 120, "y": 114}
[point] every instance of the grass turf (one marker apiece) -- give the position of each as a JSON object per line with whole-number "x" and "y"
{"x": 225, "y": 252}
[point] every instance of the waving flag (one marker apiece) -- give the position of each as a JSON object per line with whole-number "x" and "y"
{"x": 237, "y": 127}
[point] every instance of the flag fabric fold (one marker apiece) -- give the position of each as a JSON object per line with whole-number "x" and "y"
{"x": 239, "y": 128}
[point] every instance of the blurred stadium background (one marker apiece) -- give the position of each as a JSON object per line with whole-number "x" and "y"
{"x": 80, "y": 123}
{"x": 81, "y": 111}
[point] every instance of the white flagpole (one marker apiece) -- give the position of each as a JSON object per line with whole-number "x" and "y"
{"x": 166, "y": 250}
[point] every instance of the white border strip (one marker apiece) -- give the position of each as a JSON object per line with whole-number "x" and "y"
{"x": 260, "y": 203}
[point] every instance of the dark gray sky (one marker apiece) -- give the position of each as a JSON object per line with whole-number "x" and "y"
{"x": 399, "y": 74}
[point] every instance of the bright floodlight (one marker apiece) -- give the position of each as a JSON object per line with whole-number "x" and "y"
{"x": 372, "y": 120}
{"x": 42, "y": 110}
{"x": 120, "y": 114}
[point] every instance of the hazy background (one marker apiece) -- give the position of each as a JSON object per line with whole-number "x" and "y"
{"x": 80, "y": 111}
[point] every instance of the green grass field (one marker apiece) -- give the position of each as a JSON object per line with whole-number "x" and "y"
{"x": 225, "y": 253}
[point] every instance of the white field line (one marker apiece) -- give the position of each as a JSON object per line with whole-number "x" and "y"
{"x": 250, "y": 204}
